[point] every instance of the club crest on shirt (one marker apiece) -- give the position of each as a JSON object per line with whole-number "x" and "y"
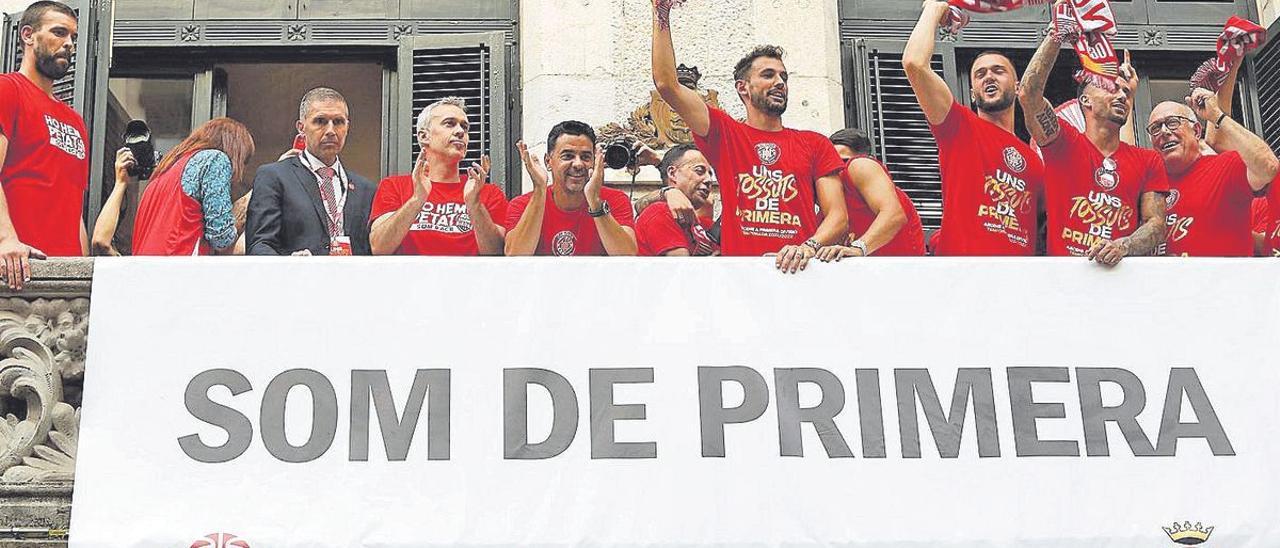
{"x": 1014, "y": 160}
{"x": 563, "y": 243}
{"x": 1106, "y": 176}
{"x": 768, "y": 153}
{"x": 1171, "y": 199}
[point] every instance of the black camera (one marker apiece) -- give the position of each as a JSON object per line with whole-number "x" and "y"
{"x": 621, "y": 153}
{"x": 137, "y": 137}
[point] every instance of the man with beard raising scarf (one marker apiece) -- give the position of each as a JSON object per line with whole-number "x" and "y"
{"x": 42, "y": 149}
{"x": 1104, "y": 198}
{"x": 991, "y": 180}
{"x": 770, "y": 176}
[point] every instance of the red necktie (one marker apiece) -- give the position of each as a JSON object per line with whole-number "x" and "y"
{"x": 334, "y": 225}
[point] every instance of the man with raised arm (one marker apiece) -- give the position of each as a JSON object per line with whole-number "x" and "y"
{"x": 1104, "y": 198}
{"x": 438, "y": 210}
{"x": 991, "y": 180}
{"x": 576, "y": 214}
{"x": 770, "y": 176}
{"x": 1210, "y": 194}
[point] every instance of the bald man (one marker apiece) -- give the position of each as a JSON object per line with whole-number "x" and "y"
{"x": 1207, "y": 209}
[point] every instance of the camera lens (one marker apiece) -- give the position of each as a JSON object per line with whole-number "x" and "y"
{"x": 617, "y": 156}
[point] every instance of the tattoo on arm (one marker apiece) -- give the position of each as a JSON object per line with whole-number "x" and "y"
{"x": 1049, "y": 124}
{"x": 663, "y": 9}
{"x": 1151, "y": 234}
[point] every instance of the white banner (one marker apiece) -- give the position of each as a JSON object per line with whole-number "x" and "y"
{"x": 882, "y": 402}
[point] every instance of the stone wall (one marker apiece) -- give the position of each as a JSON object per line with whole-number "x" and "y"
{"x": 589, "y": 59}
{"x": 43, "y": 331}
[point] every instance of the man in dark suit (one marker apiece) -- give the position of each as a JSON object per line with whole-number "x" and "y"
{"x": 308, "y": 203}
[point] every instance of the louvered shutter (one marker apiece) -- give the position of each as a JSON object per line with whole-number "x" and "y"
{"x": 886, "y": 108}
{"x": 470, "y": 66}
{"x": 1265, "y": 69}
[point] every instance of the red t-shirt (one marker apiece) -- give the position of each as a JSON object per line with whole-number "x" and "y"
{"x": 169, "y": 223}
{"x": 909, "y": 242}
{"x": 657, "y": 233}
{"x": 572, "y": 232}
{"x": 1264, "y": 222}
{"x": 1089, "y": 202}
{"x": 1208, "y": 209}
{"x": 991, "y": 182}
{"x": 767, "y": 183}
{"x": 46, "y": 170}
{"x": 443, "y": 226}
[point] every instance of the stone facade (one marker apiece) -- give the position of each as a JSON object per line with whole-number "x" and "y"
{"x": 43, "y": 332}
{"x": 602, "y": 73}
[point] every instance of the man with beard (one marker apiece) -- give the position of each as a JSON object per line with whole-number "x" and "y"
{"x": 308, "y": 203}
{"x": 578, "y": 215}
{"x": 42, "y": 149}
{"x": 687, "y": 171}
{"x": 770, "y": 176}
{"x": 1104, "y": 198}
{"x": 991, "y": 180}
{"x": 437, "y": 210}
{"x": 1210, "y": 195}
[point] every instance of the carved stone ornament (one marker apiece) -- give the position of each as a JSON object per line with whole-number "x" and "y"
{"x": 400, "y": 31}
{"x": 1153, "y": 37}
{"x": 945, "y": 35}
{"x": 42, "y": 347}
{"x": 296, "y": 33}
{"x": 189, "y": 33}
{"x": 656, "y": 124}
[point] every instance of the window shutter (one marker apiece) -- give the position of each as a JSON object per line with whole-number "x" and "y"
{"x": 887, "y": 110}
{"x": 472, "y": 67}
{"x": 1266, "y": 71}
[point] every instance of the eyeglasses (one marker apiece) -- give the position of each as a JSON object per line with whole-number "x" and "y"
{"x": 1172, "y": 123}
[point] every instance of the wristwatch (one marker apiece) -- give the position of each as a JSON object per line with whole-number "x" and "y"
{"x": 813, "y": 244}
{"x": 604, "y": 210}
{"x": 860, "y": 246}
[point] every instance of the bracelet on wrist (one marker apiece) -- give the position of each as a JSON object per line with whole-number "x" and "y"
{"x": 1220, "y": 119}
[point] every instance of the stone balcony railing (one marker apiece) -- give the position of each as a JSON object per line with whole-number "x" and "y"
{"x": 43, "y": 333}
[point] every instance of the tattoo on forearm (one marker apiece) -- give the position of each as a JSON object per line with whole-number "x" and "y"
{"x": 663, "y": 8}
{"x": 1147, "y": 237}
{"x": 1048, "y": 120}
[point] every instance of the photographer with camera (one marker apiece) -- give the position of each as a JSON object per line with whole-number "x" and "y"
{"x": 186, "y": 210}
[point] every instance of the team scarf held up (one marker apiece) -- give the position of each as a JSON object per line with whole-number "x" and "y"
{"x": 1238, "y": 37}
{"x": 958, "y": 15}
{"x": 1090, "y": 25}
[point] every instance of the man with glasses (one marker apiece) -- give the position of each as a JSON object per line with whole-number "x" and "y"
{"x": 1210, "y": 194}
{"x": 1104, "y": 197}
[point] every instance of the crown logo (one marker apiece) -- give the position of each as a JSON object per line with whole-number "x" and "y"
{"x": 688, "y": 76}
{"x": 1188, "y": 535}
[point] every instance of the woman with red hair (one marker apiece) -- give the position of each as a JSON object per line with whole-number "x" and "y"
{"x": 186, "y": 210}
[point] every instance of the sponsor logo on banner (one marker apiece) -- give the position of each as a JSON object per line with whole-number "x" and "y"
{"x": 1014, "y": 160}
{"x": 1172, "y": 199}
{"x": 1187, "y": 534}
{"x": 563, "y": 243}
{"x": 768, "y": 153}
{"x": 220, "y": 540}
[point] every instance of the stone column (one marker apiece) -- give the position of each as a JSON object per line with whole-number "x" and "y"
{"x": 589, "y": 59}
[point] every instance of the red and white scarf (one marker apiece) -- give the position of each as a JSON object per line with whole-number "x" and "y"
{"x": 1238, "y": 37}
{"x": 958, "y": 15}
{"x": 1090, "y": 25}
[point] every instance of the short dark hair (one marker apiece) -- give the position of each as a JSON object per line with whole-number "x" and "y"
{"x": 854, "y": 138}
{"x": 569, "y": 127}
{"x": 35, "y": 13}
{"x": 741, "y": 69}
{"x": 675, "y": 154}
